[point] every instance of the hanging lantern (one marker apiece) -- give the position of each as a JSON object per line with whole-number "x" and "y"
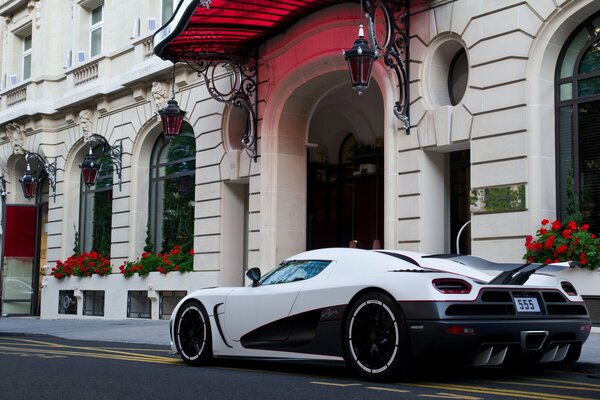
{"x": 89, "y": 169}
{"x": 360, "y": 60}
{"x": 28, "y": 184}
{"x": 172, "y": 119}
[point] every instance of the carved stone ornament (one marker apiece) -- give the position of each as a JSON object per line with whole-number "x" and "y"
{"x": 85, "y": 121}
{"x": 16, "y": 135}
{"x": 160, "y": 94}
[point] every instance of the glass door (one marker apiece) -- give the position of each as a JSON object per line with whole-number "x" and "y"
{"x": 20, "y": 264}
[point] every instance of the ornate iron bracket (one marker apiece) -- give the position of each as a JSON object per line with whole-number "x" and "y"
{"x": 48, "y": 169}
{"x": 114, "y": 152}
{"x": 388, "y": 22}
{"x": 242, "y": 91}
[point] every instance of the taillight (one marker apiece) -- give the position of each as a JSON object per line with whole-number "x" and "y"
{"x": 460, "y": 330}
{"x": 451, "y": 286}
{"x": 569, "y": 288}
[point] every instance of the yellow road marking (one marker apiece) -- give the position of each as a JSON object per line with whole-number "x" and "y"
{"x": 108, "y": 355}
{"x": 96, "y": 349}
{"x": 336, "y": 384}
{"x": 573, "y": 387}
{"x": 577, "y": 383}
{"x": 383, "y": 389}
{"x": 35, "y": 343}
{"x": 442, "y": 395}
{"x": 502, "y": 392}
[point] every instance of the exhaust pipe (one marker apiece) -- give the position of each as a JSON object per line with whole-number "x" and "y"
{"x": 533, "y": 340}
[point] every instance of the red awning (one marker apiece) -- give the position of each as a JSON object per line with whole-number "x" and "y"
{"x": 228, "y": 26}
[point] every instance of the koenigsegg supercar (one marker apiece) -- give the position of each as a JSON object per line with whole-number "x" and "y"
{"x": 381, "y": 311}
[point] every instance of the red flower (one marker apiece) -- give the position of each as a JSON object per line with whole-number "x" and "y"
{"x": 543, "y": 231}
{"x": 548, "y": 261}
{"x": 582, "y": 258}
{"x": 556, "y": 225}
{"x": 528, "y": 239}
{"x": 562, "y": 249}
{"x": 545, "y": 221}
{"x": 566, "y": 234}
{"x": 192, "y": 251}
{"x": 549, "y": 242}
{"x": 584, "y": 227}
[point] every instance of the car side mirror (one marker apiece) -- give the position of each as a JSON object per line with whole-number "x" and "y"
{"x": 254, "y": 275}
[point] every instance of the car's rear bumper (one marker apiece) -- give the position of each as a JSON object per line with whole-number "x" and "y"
{"x": 496, "y": 342}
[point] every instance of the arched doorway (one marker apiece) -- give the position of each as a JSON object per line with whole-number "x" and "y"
{"x": 345, "y": 183}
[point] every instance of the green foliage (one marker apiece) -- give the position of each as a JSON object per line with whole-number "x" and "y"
{"x": 497, "y": 199}
{"x": 148, "y": 247}
{"x": 572, "y": 209}
{"x": 76, "y": 248}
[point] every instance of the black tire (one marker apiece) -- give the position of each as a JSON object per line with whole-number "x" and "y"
{"x": 375, "y": 338}
{"x": 192, "y": 334}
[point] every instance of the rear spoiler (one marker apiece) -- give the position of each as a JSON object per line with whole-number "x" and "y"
{"x": 512, "y": 273}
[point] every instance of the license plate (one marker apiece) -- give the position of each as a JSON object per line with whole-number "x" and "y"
{"x": 527, "y": 304}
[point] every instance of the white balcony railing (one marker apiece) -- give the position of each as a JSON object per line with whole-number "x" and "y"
{"x": 15, "y": 96}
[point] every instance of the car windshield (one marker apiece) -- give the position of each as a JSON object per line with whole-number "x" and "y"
{"x": 295, "y": 270}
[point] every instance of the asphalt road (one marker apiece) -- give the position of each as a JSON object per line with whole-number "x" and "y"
{"x": 52, "y": 368}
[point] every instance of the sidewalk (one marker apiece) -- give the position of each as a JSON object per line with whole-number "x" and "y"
{"x": 157, "y": 332}
{"x": 125, "y": 331}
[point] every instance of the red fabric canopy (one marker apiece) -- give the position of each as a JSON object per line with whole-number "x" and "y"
{"x": 228, "y": 26}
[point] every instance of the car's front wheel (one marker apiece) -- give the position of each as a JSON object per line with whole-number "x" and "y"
{"x": 375, "y": 338}
{"x": 192, "y": 333}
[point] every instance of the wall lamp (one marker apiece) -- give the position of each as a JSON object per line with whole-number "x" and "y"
{"x": 389, "y": 41}
{"x": 171, "y": 116}
{"x": 29, "y": 182}
{"x": 90, "y": 167}
{"x": 2, "y": 187}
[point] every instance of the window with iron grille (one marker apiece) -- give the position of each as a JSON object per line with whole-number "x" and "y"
{"x": 93, "y": 303}
{"x": 168, "y": 301}
{"x": 67, "y": 302}
{"x": 138, "y": 304}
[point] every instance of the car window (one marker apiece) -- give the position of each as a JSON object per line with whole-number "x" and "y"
{"x": 292, "y": 271}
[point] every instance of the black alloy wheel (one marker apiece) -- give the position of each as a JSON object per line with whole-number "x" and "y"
{"x": 375, "y": 338}
{"x": 192, "y": 334}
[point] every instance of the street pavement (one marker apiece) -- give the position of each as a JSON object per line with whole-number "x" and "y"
{"x": 155, "y": 332}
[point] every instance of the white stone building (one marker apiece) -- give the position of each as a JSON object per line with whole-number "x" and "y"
{"x": 503, "y": 96}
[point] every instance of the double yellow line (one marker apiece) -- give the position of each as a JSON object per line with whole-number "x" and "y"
{"x": 37, "y": 347}
{"x": 485, "y": 390}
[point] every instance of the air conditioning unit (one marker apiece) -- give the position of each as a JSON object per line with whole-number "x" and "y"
{"x": 151, "y": 24}
{"x": 68, "y": 59}
{"x": 136, "y": 28}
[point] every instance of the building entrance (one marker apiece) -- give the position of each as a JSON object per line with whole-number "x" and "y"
{"x": 345, "y": 171}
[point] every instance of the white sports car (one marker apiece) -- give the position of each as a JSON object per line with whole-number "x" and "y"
{"x": 381, "y": 311}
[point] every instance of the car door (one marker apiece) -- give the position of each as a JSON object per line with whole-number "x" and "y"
{"x": 250, "y": 308}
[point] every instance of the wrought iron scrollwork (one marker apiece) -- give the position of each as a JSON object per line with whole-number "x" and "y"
{"x": 388, "y": 22}
{"x": 48, "y": 170}
{"x": 115, "y": 153}
{"x": 242, "y": 91}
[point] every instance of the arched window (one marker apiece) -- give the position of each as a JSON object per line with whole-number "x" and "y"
{"x": 95, "y": 214}
{"x": 578, "y": 124}
{"x": 172, "y": 182}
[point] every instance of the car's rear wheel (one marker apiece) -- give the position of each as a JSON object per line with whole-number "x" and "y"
{"x": 192, "y": 333}
{"x": 375, "y": 338}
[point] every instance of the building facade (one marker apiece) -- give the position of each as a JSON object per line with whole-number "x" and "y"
{"x": 503, "y": 101}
